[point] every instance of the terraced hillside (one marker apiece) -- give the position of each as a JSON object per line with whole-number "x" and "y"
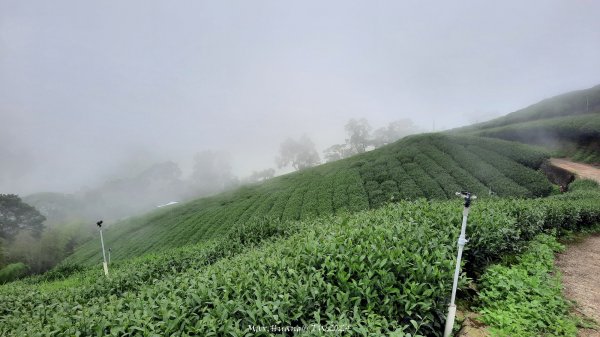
{"x": 384, "y": 272}
{"x": 432, "y": 166}
{"x": 568, "y": 124}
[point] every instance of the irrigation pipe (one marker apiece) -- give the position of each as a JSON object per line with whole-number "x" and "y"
{"x": 462, "y": 240}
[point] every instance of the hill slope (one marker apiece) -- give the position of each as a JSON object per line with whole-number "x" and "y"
{"x": 568, "y": 124}
{"x": 381, "y": 272}
{"x": 433, "y": 166}
{"x": 580, "y": 102}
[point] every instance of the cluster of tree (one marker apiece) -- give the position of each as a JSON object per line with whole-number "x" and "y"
{"x": 360, "y": 138}
{"x": 211, "y": 174}
{"x": 39, "y": 237}
{"x": 260, "y": 176}
{"x": 125, "y": 196}
{"x": 301, "y": 153}
{"x": 15, "y": 216}
{"x": 27, "y": 246}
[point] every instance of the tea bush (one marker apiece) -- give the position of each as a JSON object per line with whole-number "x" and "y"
{"x": 378, "y": 272}
{"x": 433, "y": 166}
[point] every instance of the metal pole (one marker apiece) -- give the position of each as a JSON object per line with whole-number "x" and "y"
{"x": 462, "y": 240}
{"x": 109, "y": 249}
{"x": 104, "y": 264}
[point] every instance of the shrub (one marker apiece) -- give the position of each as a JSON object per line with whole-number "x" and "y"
{"x": 525, "y": 299}
{"x": 12, "y": 272}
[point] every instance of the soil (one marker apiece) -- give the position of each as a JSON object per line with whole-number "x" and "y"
{"x": 580, "y": 268}
{"x": 581, "y": 170}
{"x": 471, "y": 327}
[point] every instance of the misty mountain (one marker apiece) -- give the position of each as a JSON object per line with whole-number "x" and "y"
{"x": 117, "y": 198}
{"x": 567, "y": 124}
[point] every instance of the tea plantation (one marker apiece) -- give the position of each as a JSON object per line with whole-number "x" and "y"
{"x": 577, "y": 137}
{"x": 575, "y": 103}
{"x": 364, "y": 246}
{"x": 433, "y": 166}
{"x": 568, "y": 125}
{"x": 377, "y": 272}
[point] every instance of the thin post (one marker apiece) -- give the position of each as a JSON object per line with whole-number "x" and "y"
{"x": 104, "y": 264}
{"x": 587, "y": 104}
{"x": 462, "y": 240}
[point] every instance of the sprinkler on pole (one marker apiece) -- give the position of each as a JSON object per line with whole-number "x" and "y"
{"x": 104, "y": 264}
{"x": 462, "y": 240}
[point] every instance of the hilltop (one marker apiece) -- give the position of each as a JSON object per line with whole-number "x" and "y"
{"x": 568, "y": 125}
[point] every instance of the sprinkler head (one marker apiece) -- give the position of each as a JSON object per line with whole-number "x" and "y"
{"x": 467, "y": 196}
{"x": 99, "y": 223}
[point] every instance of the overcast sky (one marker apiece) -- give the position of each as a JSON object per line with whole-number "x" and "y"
{"x": 88, "y": 87}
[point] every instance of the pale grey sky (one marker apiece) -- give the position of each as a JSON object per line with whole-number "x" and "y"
{"x": 86, "y": 86}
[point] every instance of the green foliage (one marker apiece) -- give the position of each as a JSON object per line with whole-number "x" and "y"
{"x": 534, "y": 181}
{"x": 380, "y": 272}
{"x": 432, "y": 166}
{"x": 60, "y": 272}
{"x": 568, "y": 125}
{"x": 583, "y": 185}
{"x": 587, "y": 153}
{"x": 42, "y": 253}
{"x": 572, "y": 136}
{"x": 12, "y": 272}
{"x": 485, "y": 171}
{"x": 570, "y": 104}
{"x": 525, "y": 299}
{"x": 16, "y": 216}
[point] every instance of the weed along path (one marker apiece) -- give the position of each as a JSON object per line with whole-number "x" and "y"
{"x": 580, "y": 267}
{"x": 581, "y": 170}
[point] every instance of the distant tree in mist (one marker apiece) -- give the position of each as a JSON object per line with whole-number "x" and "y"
{"x": 23, "y": 248}
{"x": 58, "y": 208}
{"x": 337, "y": 152}
{"x": 125, "y": 196}
{"x": 162, "y": 182}
{"x": 360, "y": 137}
{"x": 392, "y": 132}
{"x": 300, "y": 154}
{"x": 358, "y": 132}
{"x": 258, "y": 176}
{"x": 212, "y": 173}
{"x": 16, "y": 216}
{"x": 42, "y": 253}
{"x": 166, "y": 171}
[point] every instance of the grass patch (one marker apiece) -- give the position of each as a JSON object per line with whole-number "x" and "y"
{"x": 525, "y": 299}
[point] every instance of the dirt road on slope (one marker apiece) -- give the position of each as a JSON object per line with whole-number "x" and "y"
{"x": 580, "y": 267}
{"x": 581, "y": 170}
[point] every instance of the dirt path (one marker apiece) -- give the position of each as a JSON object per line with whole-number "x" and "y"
{"x": 580, "y": 267}
{"x": 581, "y": 170}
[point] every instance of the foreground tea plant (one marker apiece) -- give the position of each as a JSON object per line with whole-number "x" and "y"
{"x": 380, "y": 272}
